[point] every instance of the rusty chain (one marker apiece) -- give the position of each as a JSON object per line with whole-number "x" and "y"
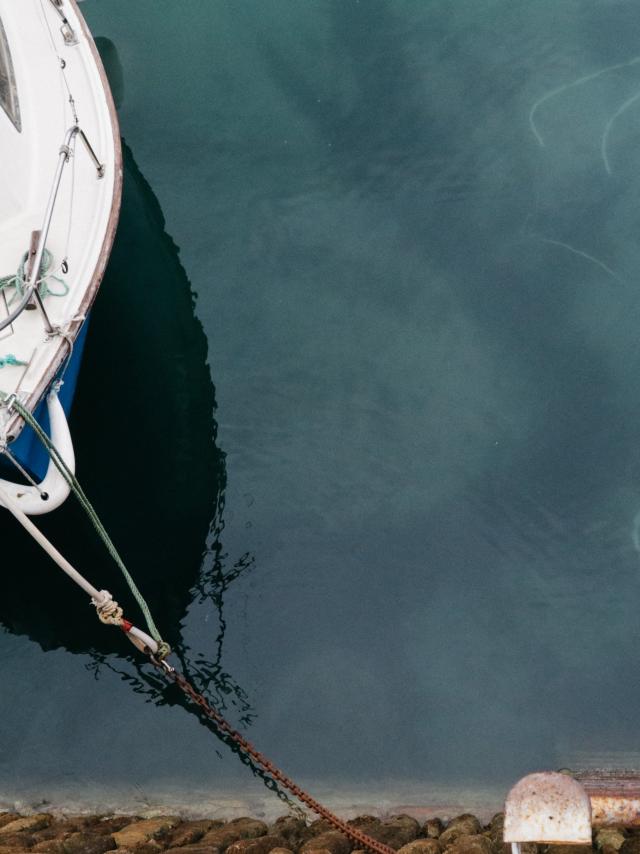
{"x": 259, "y": 759}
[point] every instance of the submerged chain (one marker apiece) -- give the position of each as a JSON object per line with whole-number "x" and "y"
{"x": 259, "y": 759}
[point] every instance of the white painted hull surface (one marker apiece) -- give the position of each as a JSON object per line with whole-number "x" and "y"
{"x": 47, "y": 70}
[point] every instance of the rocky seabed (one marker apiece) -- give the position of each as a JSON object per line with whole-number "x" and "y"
{"x": 287, "y": 835}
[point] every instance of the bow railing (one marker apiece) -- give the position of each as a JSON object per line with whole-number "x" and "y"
{"x": 31, "y": 287}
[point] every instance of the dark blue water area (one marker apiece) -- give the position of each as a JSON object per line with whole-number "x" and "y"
{"x": 360, "y": 405}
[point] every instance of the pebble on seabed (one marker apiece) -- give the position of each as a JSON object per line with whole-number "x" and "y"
{"x": 96, "y": 834}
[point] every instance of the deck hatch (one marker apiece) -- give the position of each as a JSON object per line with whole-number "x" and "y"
{"x": 8, "y": 91}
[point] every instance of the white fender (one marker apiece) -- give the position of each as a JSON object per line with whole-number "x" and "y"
{"x": 29, "y": 498}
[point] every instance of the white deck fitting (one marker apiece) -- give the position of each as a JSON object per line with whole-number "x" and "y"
{"x": 84, "y": 230}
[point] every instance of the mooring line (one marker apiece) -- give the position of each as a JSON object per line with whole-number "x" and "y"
{"x": 266, "y": 764}
{"x": 111, "y": 613}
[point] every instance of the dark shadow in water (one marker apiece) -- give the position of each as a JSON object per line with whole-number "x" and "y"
{"x": 144, "y": 435}
{"x": 145, "y": 439}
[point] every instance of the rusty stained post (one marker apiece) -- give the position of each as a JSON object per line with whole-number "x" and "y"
{"x": 547, "y": 807}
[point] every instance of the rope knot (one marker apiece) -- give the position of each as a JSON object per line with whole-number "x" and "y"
{"x": 109, "y": 612}
{"x": 164, "y": 650}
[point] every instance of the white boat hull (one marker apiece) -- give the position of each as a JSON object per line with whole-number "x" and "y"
{"x": 63, "y": 97}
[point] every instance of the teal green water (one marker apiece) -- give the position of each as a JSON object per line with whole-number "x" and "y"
{"x": 360, "y": 406}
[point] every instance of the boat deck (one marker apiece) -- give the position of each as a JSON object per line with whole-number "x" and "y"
{"x": 59, "y": 83}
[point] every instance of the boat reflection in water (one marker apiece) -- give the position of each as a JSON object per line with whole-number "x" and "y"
{"x": 147, "y": 457}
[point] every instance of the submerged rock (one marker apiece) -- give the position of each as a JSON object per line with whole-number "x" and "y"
{"x": 629, "y": 846}
{"x": 332, "y": 841}
{"x": 400, "y": 830}
{"x": 394, "y": 832}
{"x": 432, "y": 828}
{"x": 196, "y": 848}
{"x": 496, "y": 826}
{"x": 569, "y": 849}
{"x": 30, "y": 822}
{"x": 85, "y": 842}
{"x": 17, "y": 840}
{"x": 192, "y": 831}
{"x": 320, "y": 825}
{"x": 53, "y": 846}
{"x": 153, "y": 846}
{"x": 293, "y": 829}
{"x": 363, "y": 822}
{"x": 111, "y": 824}
{"x": 134, "y": 835}
{"x": 373, "y": 827}
{"x": 421, "y": 846}
{"x": 233, "y": 831}
{"x": 261, "y": 845}
{"x": 287, "y": 835}
{"x": 462, "y": 825}
{"x": 470, "y": 844}
{"x": 250, "y": 828}
{"x": 610, "y": 837}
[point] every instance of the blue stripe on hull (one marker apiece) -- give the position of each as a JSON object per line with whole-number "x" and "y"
{"x": 27, "y": 448}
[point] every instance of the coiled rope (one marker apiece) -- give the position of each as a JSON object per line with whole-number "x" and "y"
{"x": 11, "y": 361}
{"x": 18, "y": 280}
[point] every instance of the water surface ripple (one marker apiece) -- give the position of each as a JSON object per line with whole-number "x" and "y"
{"x": 359, "y": 406}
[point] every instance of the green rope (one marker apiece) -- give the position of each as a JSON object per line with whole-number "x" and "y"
{"x": 163, "y": 648}
{"x": 18, "y": 280}
{"x": 10, "y": 360}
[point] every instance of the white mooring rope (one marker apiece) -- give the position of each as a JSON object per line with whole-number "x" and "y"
{"x": 108, "y": 610}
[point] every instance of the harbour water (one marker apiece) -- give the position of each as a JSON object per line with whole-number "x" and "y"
{"x": 360, "y": 407}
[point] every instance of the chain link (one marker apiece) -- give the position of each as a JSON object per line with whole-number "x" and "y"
{"x": 259, "y": 759}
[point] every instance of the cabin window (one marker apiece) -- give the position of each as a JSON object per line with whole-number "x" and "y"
{"x": 8, "y": 91}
